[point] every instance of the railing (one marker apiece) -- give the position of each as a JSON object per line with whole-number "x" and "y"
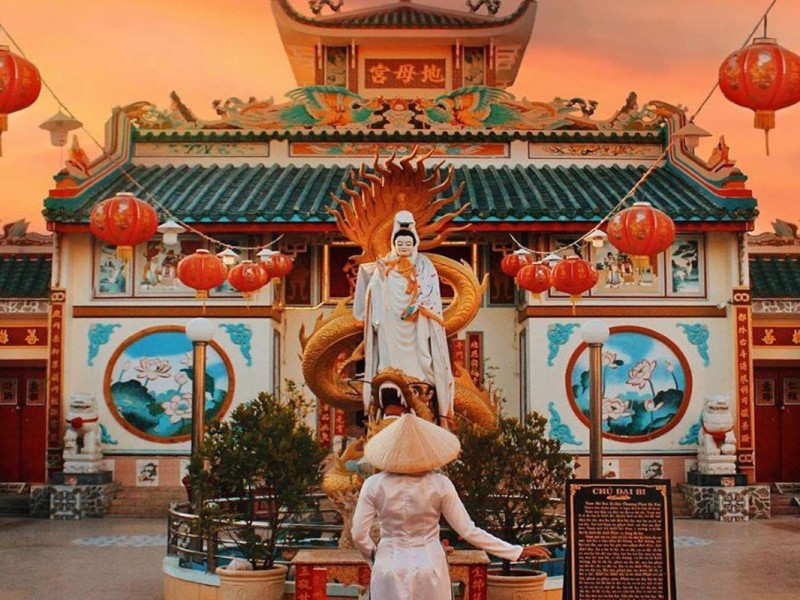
{"x": 205, "y": 549}
{"x": 196, "y": 547}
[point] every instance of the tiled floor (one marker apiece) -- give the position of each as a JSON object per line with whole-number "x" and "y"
{"x": 111, "y": 559}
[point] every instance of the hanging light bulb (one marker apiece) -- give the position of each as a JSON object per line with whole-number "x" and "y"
{"x": 59, "y": 126}
{"x": 598, "y": 238}
{"x": 691, "y": 134}
{"x": 552, "y": 259}
{"x": 228, "y": 256}
{"x": 170, "y": 232}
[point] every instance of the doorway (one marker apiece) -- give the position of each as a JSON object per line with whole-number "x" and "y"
{"x": 23, "y": 423}
{"x": 777, "y": 407}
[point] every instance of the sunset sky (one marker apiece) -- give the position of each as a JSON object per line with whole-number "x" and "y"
{"x": 97, "y": 54}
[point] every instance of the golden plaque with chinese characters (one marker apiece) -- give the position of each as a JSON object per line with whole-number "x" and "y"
{"x": 405, "y": 73}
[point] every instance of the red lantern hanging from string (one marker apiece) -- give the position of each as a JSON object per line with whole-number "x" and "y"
{"x": 124, "y": 221}
{"x": 20, "y": 85}
{"x": 574, "y": 276}
{"x": 763, "y": 77}
{"x": 202, "y": 271}
{"x": 513, "y": 262}
{"x": 248, "y": 277}
{"x": 641, "y": 230}
{"x": 275, "y": 264}
{"x": 536, "y": 278}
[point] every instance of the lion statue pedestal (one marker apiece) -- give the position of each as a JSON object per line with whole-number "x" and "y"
{"x": 82, "y": 450}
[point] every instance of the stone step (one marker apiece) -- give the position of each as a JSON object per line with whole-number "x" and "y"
{"x": 14, "y": 505}
{"x": 782, "y": 511}
{"x": 782, "y": 500}
{"x": 127, "y": 491}
{"x": 133, "y": 501}
{"x": 143, "y": 512}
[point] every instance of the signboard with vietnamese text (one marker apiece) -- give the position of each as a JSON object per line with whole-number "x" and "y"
{"x": 400, "y": 73}
{"x": 619, "y": 540}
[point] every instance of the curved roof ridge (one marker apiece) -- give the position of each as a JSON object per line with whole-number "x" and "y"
{"x": 408, "y": 15}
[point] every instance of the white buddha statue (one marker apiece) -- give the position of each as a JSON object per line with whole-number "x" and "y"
{"x": 399, "y": 301}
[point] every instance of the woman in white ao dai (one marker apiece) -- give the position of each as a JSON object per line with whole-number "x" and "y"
{"x": 410, "y": 563}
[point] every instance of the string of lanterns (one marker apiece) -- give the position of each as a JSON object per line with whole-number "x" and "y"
{"x": 126, "y": 221}
{"x": 640, "y": 231}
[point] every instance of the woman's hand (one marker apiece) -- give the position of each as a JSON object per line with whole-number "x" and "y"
{"x": 534, "y": 552}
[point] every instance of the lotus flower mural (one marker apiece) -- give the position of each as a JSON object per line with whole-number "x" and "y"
{"x": 149, "y": 385}
{"x": 646, "y": 384}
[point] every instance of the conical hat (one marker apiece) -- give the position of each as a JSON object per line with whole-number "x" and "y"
{"x": 412, "y": 445}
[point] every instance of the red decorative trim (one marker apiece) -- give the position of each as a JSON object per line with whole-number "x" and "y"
{"x": 339, "y": 422}
{"x": 687, "y": 396}
{"x": 324, "y": 425}
{"x": 475, "y": 357}
{"x": 776, "y": 337}
{"x": 303, "y": 582}
{"x": 23, "y": 337}
{"x": 55, "y": 373}
{"x": 743, "y": 359}
{"x": 478, "y": 582}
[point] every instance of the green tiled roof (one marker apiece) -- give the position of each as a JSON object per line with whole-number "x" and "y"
{"x": 775, "y": 275}
{"x": 281, "y": 194}
{"x": 25, "y": 276}
{"x": 406, "y": 16}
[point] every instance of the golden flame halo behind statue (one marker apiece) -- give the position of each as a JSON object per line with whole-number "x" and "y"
{"x": 366, "y": 219}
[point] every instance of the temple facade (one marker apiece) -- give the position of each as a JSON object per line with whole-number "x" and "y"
{"x": 407, "y": 80}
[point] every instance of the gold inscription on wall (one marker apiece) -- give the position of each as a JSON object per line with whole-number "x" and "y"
{"x": 394, "y": 73}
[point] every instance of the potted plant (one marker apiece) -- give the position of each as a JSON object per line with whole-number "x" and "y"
{"x": 254, "y": 471}
{"x": 510, "y": 479}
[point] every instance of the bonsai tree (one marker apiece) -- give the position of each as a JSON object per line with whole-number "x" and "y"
{"x": 259, "y": 466}
{"x": 510, "y": 478}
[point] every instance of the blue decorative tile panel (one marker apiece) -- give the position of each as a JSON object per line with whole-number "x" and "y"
{"x": 241, "y": 335}
{"x": 558, "y": 430}
{"x": 698, "y": 336}
{"x": 99, "y": 334}
{"x": 558, "y": 334}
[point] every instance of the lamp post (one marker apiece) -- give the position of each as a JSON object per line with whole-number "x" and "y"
{"x": 199, "y": 331}
{"x": 595, "y": 333}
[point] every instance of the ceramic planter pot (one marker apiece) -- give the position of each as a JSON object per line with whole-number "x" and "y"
{"x": 252, "y": 585}
{"x": 522, "y": 584}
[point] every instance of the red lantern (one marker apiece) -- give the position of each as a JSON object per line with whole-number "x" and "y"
{"x": 124, "y": 221}
{"x": 248, "y": 277}
{"x": 641, "y": 230}
{"x": 20, "y": 85}
{"x": 764, "y": 77}
{"x": 275, "y": 264}
{"x": 202, "y": 271}
{"x": 535, "y": 278}
{"x": 512, "y": 263}
{"x": 574, "y": 276}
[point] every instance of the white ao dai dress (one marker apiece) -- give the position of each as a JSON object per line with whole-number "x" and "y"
{"x": 410, "y": 563}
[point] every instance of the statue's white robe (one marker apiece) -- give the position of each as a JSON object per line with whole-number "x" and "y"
{"x": 409, "y": 562}
{"x": 418, "y": 347}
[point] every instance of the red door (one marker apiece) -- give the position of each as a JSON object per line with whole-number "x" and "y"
{"x": 777, "y": 391}
{"x": 23, "y": 424}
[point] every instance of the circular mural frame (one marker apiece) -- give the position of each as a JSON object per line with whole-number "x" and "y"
{"x": 674, "y": 420}
{"x": 133, "y": 339}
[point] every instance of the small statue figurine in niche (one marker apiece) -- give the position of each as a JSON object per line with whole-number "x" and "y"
{"x": 717, "y": 439}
